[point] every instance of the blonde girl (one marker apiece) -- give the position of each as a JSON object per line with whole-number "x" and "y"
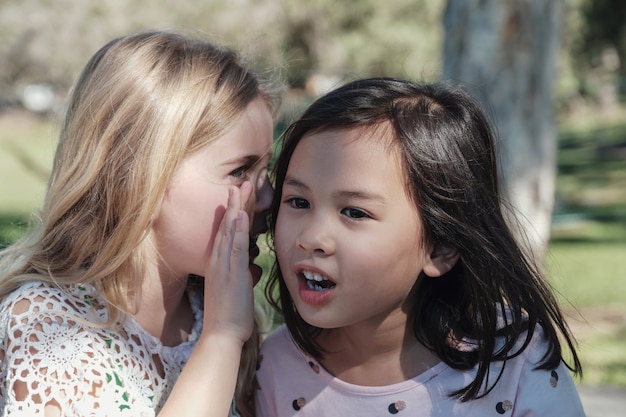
{"x": 159, "y": 180}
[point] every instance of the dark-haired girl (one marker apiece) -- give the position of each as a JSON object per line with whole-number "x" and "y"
{"x": 402, "y": 287}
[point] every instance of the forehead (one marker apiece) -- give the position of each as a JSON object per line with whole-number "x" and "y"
{"x": 250, "y": 132}
{"x": 376, "y": 140}
{"x": 357, "y": 155}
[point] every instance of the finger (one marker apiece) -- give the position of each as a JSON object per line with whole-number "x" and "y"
{"x": 241, "y": 241}
{"x": 232, "y": 212}
{"x": 246, "y": 191}
{"x": 226, "y": 231}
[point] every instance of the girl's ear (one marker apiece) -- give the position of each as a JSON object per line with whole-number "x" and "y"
{"x": 441, "y": 260}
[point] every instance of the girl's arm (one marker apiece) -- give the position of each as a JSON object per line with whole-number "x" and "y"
{"x": 207, "y": 383}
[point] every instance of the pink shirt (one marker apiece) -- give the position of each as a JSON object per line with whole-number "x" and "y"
{"x": 293, "y": 384}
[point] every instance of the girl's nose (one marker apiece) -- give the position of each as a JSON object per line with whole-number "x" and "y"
{"x": 316, "y": 237}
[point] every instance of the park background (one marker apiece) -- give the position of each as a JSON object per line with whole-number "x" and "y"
{"x": 318, "y": 44}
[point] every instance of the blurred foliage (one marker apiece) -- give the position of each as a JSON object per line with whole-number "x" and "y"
{"x": 43, "y": 41}
{"x": 48, "y": 42}
{"x": 605, "y": 29}
{"x": 591, "y": 177}
{"x": 592, "y": 68}
{"x": 12, "y": 227}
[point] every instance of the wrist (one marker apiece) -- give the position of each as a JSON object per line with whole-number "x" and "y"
{"x": 221, "y": 340}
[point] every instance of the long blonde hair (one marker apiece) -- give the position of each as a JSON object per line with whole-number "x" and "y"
{"x": 141, "y": 105}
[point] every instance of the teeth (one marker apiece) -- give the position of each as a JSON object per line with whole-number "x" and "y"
{"x": 312, "y": 276}
{"x": 314, "y": 287}
{"x": 317, "y": 282}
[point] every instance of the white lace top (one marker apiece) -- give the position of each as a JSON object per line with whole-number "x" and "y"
{"x": 83, "y": 369}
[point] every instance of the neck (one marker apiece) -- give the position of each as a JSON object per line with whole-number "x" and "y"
{"x": 375, "y": 354}
{"x": 164, "y": 310}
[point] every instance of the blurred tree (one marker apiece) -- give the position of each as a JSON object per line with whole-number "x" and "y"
{"x": 506, "y": 51}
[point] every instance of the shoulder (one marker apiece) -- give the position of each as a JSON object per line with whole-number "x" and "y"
{"x": 279, "y": 353}
{"x": 284, "y": 372}
{"x": 546, "y": 391}
{"x": 280, "y": 337}
{"x": 527, "y": 353}
{"x": 40, "y": 310}
{"x": 46, "y": 344}
{"x": 41, "y": 299}
{"x": 279, "y": 350}
{"x": 527, "y": 388}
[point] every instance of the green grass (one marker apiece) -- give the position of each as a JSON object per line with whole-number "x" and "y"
{"x": 12, "y": 226}
{"x": 588, "y": 274}
{"x": 603, "y": 358}
{"x": 26, "y": 151}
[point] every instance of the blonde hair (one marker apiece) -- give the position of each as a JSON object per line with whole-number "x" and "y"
{"x": 141, "y": 105}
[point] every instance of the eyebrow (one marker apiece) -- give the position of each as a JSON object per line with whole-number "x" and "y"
{"x": 251, "y": 160}
{"x": 354, "y": 194}
{"x": 292, "y": 182}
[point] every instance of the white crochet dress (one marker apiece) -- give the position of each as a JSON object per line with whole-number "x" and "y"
{"x": 85, "y": 370}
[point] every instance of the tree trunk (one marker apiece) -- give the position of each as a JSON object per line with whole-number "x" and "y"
{"x": 505, "y": 51}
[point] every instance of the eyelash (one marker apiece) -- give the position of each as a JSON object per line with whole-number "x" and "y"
{"x": 240, "y": 173}
{"x": 360, "y": 213}
{"x": 299, "y": 203}
{"x": 293, "y": 202}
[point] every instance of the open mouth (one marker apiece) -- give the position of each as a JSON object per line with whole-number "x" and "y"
{"x": 317, "y": 282}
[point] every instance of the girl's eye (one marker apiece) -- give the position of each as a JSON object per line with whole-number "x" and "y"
{"x": 298, "y": 203}
{"x": 355, "y": 213}
{"x": 239, "y": 173}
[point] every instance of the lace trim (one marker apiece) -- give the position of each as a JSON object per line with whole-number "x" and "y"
{"x": 50, "y": 357}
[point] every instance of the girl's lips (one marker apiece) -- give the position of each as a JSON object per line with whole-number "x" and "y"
{"x": 314, "y": 287}
{"x": 311, "y": 296}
